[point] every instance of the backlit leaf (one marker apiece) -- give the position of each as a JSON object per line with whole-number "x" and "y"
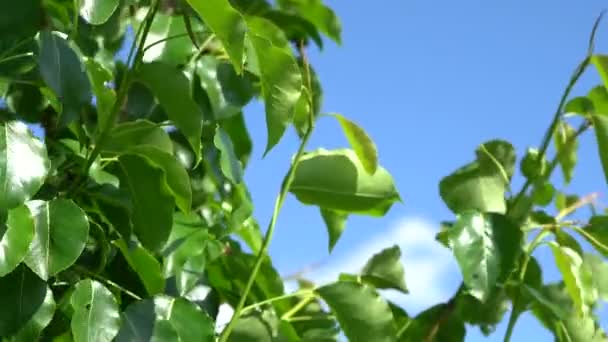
{"x": 96, "y": 317}
{"x": 335, "y": 222}
{"x": 597, "y": 233}
{"x": 566, "y": 145}
{"x": 361, "y": 143}
{"x": 569, "y": 263}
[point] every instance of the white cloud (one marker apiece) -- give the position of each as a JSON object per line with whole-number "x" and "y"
{"x": 430, "y": 269}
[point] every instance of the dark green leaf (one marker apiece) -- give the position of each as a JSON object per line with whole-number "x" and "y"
{"x": 61, "y": 232}
{"x": 566, "y": 145}
{"x": 263, "y": 327}
{"x": 144, "y": 264}
{"x": 597, "y": 233}
{"x": 151, "y": 200}
{"x": 96, "y": 317}
{"x": 336, "y": 180}
{"x": 335, "y": 222}
{"x": 236, "y": 129}
{"x": 485, "y": 315}
{"x": 385, "y": 271}
{"x": 136, "y": 133}
{"x": 22, "y": 294}
{"x": 227, "y": 24}
{"x": 63, "y": 72}
{"x": 32, "y": 329}
{"x": 97, "y": 12}
{"x": 279, "y": 75}
{"x": 295, "y": 27}
{"x": 175, "y": 175}
{"x": 172, "y": 89}
{"x": 230, "y": 165}
{"x": 486, "y": 247}
{"x": 317, "y": 13}
{"x": 362, "y": 313}
{"x": 23, "y": 164}
{"x": 543, "y": 193}
{"x": 105, "y": 96}
{"x": 569, "y": 263}
{"x": 16, "y": 235}
{"x": 424, "y": 327}
{"x": 361, "y": 143}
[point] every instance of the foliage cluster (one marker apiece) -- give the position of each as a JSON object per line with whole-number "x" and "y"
{"x": 131, "y": 220}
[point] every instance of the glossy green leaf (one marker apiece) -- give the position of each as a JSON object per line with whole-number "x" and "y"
{"x": 336, "y": 180}
{"x": 362, "y": 313}
{"x": 171, "y": 88}
{"x": 63, "y": 72}
{"x": 230, "y": 165}
{"x": 597, "y": 233}
{"x": 423, "y": 327}
{"x": 61, "y": 232}
{"x": 22, "y": 294}
{"x": 481, "y": 185}
{"x": 32, "y": 329}
{"x": 136, "y": 133}
{"x": 228, "y": 91}
{"x": 486, "y": 247}
{"x": 144, "y": 264}
{"x": 152, "y": 203}
{"x": 23, "y": 164}
{"x": 96, "y": 315}
{"x": 335, "y": 222}
{"x": 279, "y": 76}
{"x": 142, "y": 319}
{"x": 569, "y": 263}
{"x": 227, "y": 24}
{"x": 97, "y": 12}
{"x": 105, "y": 96}
{"x": 317, "y": 13}
{"x": 17, "y": 234}
{"x": 175, "y": 175}
{"x": 361, "y": 143}
{"x": 566, "y": 145}
{"x": 188, "y": 240}
{"x": 385, "y": 271}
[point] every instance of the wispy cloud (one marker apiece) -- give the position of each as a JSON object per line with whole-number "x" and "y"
{"x": 430, "y": 270}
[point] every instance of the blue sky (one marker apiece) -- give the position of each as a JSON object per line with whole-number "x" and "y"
{"x": 429, "y": 81}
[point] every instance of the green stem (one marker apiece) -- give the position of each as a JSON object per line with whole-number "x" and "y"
{"x": 590, "y": 237}
{"x": 275, "y": 299}
{"x": 300, "y": 305}
{"x": 160, "y": 41}
{"x": 107, "y": 282}
{"x": 21, "y": 55}
{"x": 124, "y": 85}
{"x": 286, "y": 184}
{"x": 310, "y": 318}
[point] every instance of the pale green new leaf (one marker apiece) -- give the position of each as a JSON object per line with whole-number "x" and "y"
{"x": 569, "y": 264}
{"x": 61, "y": 233}
{"x": 336, "y": 180}
{"x": 96, "y": 315}
{"x": 23, "y": 164}
{"x": 361, "y": 143}
{"x": 227, "y": 24}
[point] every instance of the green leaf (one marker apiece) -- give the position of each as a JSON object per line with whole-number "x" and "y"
{"x": 595, "y": 270}
{"x": 597, "y": 233}
{"x": 61, "y": 232}
{"x": 486, "y": 247}
{"x": 543, "y": 193}
{"x": 362, "y": 313}
{"x": 579, "y": 105}
{"x": 97, "y": 12}
{"x": 230, "y": 165}
{"x": 23, "y": 164}
{"x": 236, "y": 129}
{"x": 172, "y": 89}
{"x": 335, "y": 222}
{"x": 569, "y": 264}
{"x": 32, "y": 329}
{"x": 423, "y": 327}
{"x": 481, "y": 185}
{"x": 144, "y": 264}
{"x": 170, "y": 37}
{"x": 385, "y": 271}
{"x": 566, "y": 145}
{"x": 228, "y": 91}
{"x": 15, "y": 238}
{"x": 262, "y": 326}
{"x": 361, "y": 143}
{"x": 175, "y": 176}
{"x": 22, "y": 294}
{"x": 63, "y": 72}
{"x": 601, "y": 64}
{"x": 105, "y": 96}
{"x": 599, "y": 98}
{"x": 136, "y": 133}
{"x": 336, "y": 180}
{"x": 317, "y": 13}
{"x": 600, "y": 125}
{"x": 227, "y": 24}
{"x": 484, "y": 315}
{"x": 279, "y": 76}
{"x": 151, "y": 199}
{"x": 96, "y": 317}
{"x": 532, "y": 166}
{"x": 149, "y": 320}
